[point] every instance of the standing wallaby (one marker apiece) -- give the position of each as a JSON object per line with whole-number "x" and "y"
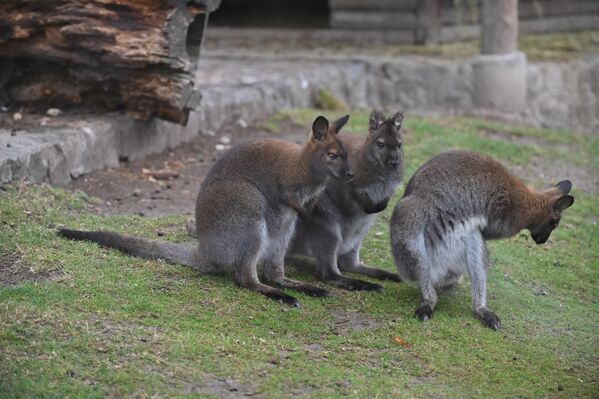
{"x": 343, "y": 214}
{"x": 247, "y": 208}
{"x": 451, "y": 205}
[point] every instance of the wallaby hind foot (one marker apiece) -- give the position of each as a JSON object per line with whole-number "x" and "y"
{"x": 352, "y": 284}
{"x": 371, "y": 272}
{"x": 424, "y": 312}
{"x": 329, "y": 275}
{"x": 489, "y": 319}
{"x": 248, "y": 278}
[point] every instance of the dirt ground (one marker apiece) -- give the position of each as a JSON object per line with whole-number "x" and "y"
{"x": 167, "y": 183}
{"x": 13, "y": 271}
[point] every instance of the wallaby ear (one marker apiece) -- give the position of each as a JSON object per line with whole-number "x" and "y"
{"x": 563, "y": 202}
{"x": 564, "y": 186}
{"x": 339, "y": 123}
{"x": 320, "y": 128}
{"x": 377, "y": 118}
{"x": 397, "y": 120}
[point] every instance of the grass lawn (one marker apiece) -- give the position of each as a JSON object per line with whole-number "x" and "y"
{"x": 104, "y": 324}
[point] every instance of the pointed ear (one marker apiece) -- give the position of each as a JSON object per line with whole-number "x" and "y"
{"x": 397, "y": 120}
{"x": 376, "y": 119}
{"x": 339, "y": 123}
{"x": 563, "y": 202}
{"x": 320, "y": 128}
{"x": 564, "y": 186}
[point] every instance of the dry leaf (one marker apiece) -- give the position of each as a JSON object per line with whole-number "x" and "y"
{"x": 399, "y": 340}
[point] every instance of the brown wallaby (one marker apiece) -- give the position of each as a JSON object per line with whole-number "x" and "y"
{"x": 343, "y": 214}
{"x": 247, "y": 208}
{"x": 451, "y": 205}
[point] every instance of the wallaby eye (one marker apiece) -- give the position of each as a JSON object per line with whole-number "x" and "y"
{"x": 380, "y": 144}
{"x": 333, "y": 156}
{"x": 399, "y": 145}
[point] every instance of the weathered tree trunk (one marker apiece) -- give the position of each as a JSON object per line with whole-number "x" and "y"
{"x": 134, "y": 55}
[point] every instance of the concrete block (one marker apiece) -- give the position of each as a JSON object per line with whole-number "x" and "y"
{"x": 499, "y": 81}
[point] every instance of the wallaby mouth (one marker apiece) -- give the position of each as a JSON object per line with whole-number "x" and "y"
{"x": 540, "y": 239}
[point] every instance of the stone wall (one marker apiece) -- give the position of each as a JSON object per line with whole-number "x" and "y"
{"x": 241, "y": 90}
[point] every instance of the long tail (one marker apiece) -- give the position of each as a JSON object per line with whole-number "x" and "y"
{"x": 149, "y": 249}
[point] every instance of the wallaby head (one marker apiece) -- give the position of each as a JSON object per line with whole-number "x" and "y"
{"x": 326, "y": 151}
{"x": 554, "y": 201}
{"x": 384, "y": 141}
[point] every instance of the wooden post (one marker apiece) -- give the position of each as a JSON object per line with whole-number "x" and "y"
{"x": 429, "y": 22}
{"x": 499, "y": 26}
{"x": 499, "y": 72}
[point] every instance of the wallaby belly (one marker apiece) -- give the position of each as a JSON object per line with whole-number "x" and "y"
{"x": 278, "y": 233}
{"x": 444, "y": 257}
{"x": 353, "y": 231}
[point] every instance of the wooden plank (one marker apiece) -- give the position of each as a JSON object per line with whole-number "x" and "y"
{"x": 395, "y": 20}
{"x": 380, "y": 5}
{"x": 556, "y": 8}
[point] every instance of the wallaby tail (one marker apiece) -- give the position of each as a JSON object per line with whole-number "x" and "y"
{"x": 175, "y": 253}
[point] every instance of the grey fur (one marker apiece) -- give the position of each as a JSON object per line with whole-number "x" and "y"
{"x": 451, "y": 206}
{"x": 332, "y": 234}
{"x": 247, "y": 208}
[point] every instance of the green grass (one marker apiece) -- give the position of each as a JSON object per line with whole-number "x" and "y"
{"x": 560, "y": 46}
{"x": 113, "y": 325}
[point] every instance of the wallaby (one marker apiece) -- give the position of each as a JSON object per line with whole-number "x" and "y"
{"x": 451, "y": 206}
{"x": 247, "y": 209}
{"x": 343, "y": 214}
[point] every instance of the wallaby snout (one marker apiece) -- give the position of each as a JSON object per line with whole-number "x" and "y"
{"x": 394, "y": 163}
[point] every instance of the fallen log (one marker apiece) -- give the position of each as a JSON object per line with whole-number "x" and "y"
{"x": 133, "y": 55}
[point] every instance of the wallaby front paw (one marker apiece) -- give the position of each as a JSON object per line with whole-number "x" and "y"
{"x": 490, "y": 319}
{"x": 424, "y": 312}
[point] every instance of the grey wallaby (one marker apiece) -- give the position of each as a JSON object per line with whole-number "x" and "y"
{"x": 247, "y": 208}
{"x": 339, "y": 221}
{"x": 451, "y": 206}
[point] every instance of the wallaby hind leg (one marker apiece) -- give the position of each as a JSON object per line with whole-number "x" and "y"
{"x": 274, "y": 273}
{"x": 324, "y": 244}
{"x": 247, "y": 277}
{"x": 350, "y": 262}
{"x": 477, "y": 259}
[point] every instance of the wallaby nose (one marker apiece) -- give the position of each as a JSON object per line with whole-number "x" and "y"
{"x": 350, "y": 174}
{"x": 394, "y": 163}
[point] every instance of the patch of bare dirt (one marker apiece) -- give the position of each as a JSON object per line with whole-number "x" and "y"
{"x": 226, "y": 388}
{"x": 344, "y": 321}
{"x": 167, "y": 183}
{"x": 549, "y": 170}
{"x": 14, "y": 272}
